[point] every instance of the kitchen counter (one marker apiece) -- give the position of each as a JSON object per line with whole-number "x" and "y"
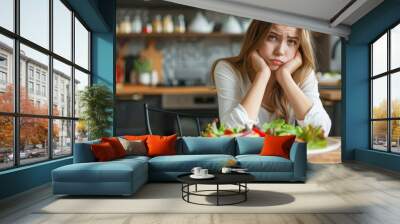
{"x": 128, "y": 89}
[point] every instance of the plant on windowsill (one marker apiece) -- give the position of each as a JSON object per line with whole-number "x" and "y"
{"x": 97, "y": 103}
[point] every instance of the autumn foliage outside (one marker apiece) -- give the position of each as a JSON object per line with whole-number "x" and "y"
{"x": 33, "y": 131}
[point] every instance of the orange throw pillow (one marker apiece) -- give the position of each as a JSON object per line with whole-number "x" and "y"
{"x": 277, "y": 145}
{"x": 161, "y": 145}
{"x": 116, "y": 145}
{"x": 136, "y": 137}
{"x": 103, "y": 152}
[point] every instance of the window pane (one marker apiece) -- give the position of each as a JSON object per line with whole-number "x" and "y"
{"x": 6, "y": 142}
{"x": 395, "y": 94}
{"x": 395, "y": 47}
{"x": 7, "y": 14}
{"x": 35, "y": 21}
{"x": 6, "y": 74}
{"x": 379, "y": 55}
{"x": 62, "y": 138}
{"x": 81, "y": 81}
{"x": 81, "y": 45}
{"x": 62, "y": 29}
{"x": 62, "y": 89}
{"x": 379, "y": 135}
{"x": 395, "y": 136}
{"x": 33, "y": 139}
{"x": 34, "y": 72}
{"x": 81, "y": 131}
{"x": 379, "y": 97}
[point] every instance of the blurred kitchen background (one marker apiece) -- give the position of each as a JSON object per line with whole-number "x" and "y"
{"x": 164, "y": 55}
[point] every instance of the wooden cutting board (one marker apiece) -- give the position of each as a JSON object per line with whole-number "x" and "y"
{"x": 156, "y": 57}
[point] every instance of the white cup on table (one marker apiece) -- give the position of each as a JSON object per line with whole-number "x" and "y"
{"x": 203, "y": 172}
{"x": 196, "y": 170}
{"x": 226, "y": 170}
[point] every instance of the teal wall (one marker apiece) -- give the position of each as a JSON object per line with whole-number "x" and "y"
{"x": 103, "y": 50}
{"x": 356, "y": 101}
{"x": 99, "y": 15}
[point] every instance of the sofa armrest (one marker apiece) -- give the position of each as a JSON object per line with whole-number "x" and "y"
{"x": 298, "y": 155}
{"x": 83, "y": 152}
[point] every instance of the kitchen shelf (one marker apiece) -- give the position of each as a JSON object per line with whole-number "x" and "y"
{"x": 178, "y": 35}
{"x": 129, "y": 89}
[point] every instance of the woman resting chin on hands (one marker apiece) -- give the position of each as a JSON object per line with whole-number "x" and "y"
{"x": 272, "y": 77}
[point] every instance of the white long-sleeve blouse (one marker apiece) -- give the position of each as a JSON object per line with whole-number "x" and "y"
{"x": 232, "y": 87}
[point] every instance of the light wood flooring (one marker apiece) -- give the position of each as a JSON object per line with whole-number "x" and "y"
{"x": 377, "y": 188}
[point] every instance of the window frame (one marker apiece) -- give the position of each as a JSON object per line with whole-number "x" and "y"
{"x": 388, "y": 74}
{"x": 16, "y": 115}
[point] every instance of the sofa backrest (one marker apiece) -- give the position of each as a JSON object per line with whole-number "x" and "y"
{"x": 205, "y": 145}
{"x": 249, "y": 145}
{"x": 83, "y": 152}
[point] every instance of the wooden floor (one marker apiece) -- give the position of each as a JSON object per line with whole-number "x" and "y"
{"x": 377, "y": 188}
{"x": 333, "y": 157}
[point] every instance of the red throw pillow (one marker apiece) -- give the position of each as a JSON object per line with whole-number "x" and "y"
{"x": 116, "y": 145}
{"x": 161, "y": 145}
{"x": 277, "y": 145}
{"x": 103, "y": 151}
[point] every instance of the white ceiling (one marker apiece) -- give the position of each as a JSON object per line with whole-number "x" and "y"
{"x": 324, "y": 9}
{"x": 324, "y": 16}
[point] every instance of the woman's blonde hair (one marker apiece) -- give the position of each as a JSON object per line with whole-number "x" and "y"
{"x": 255, "y": 35}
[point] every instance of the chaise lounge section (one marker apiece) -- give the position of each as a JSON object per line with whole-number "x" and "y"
{"x": 125, "y": 176}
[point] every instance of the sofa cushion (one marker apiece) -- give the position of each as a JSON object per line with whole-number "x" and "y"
{"x": 249, "y": 145}
{"x": 134, "y": 147}
{"x": 116, "y": 145}
{"x": 205, "y": 145}
{"x": 111, "y": 171}
{"x": 83, "y": 152}
{"x": 103, "y": 151}
{"x": 257, "y": 163}
{"x": 185, "y": 163}
{"x": 277, "y": 145}
{"x": 161, "y": 145}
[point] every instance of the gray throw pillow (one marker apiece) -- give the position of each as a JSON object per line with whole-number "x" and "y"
{"x": 135, "y": 147}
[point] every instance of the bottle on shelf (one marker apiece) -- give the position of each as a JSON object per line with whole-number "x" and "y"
{"x": 168, "y": 25}
{"x": 157, "y": 24}
{"x": 180, "y": 26}
{"x": 136, "y": 24}
{"x": 148, "y": 28}
{"x": 125, "y": 26}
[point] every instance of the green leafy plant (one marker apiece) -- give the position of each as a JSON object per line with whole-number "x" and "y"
{"x": 96, "y": 102}
{"x": 142, "y": 65}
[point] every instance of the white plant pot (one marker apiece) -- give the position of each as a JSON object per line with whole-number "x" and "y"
{"x": 145, "y": 78}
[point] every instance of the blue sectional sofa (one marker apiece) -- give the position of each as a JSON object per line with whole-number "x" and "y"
{"x": 125, "y": 176}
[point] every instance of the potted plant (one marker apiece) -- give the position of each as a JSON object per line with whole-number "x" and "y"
{"x": 97, "y": 103}
{"x": 143, "y": 69}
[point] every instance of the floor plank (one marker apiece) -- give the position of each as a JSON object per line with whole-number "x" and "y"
{"x": 376, "y": 190}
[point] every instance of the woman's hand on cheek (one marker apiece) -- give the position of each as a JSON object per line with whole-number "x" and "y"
{"x": 292, "y": 65}
{"x": 258, "y": 63}
{"x": 289, "y": 67}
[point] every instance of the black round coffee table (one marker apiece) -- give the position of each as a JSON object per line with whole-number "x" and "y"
{"x": 238, "y": 179}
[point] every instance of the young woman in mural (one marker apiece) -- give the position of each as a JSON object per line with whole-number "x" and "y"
{"x": 272, "y": 77}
